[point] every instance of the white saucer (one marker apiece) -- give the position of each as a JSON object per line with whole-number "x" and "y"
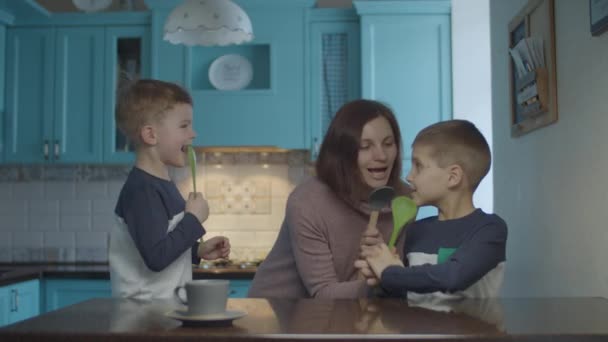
{"x": 221, "y": 319}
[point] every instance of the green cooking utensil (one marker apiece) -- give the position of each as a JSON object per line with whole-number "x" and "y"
{"x": 192, "y": 161}
{"x": 404, "y": 209}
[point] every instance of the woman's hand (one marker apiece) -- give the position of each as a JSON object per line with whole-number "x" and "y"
{"x": 214, "y": 248}
{"x": 371, "y": 237}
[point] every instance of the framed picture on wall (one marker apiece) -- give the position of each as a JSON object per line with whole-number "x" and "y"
{"x": 598, "y": 16}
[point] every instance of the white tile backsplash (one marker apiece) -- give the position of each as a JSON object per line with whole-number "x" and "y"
{"x": 13, "y": 223}
{"x": 92, "y": 190}
{"x": 28, "y": 191}
{"x": 60, "y": 190}
{"x": 75, "y": 223}
{"x": 43, "y": 207}
{"x": 43, "y": 223}
{"x": 75, "y": 207}
{"x": 13, "y": 207}
{"x": 68, "y": 221}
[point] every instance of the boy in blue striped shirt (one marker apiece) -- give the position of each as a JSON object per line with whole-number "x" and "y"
{"x": 460, "y": 252}
{"x": 154, "y": 243}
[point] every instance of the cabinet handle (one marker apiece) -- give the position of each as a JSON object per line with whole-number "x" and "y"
{"x": 45, "y": 149}
{"x": 16, "y": 300}
{"x": 315, "y": 148}
{"x": 56, "y": 149}
{"x": 14, "y": 296}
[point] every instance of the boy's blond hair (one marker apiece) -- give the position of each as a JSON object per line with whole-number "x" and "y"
{"x": 146, "y": 101}
{"x": 458, "y": 142}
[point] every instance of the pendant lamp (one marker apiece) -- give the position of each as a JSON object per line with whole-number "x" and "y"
{"x": 208, "y": 23}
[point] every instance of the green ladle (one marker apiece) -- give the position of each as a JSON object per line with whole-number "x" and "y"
{"x": 404, "y": 210}
{"x": 192, "y": 162}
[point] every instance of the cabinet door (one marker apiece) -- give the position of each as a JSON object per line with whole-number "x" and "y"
{"x": 64, "y": 292}
{"x": 25, "y": 299}
{"x": 126, "y": 58}
{"x": 406, "y": 63}
{"x": 239, "y": 288}
{"x": 5, "y": 305}
{"x": 335, "y": 70}
{"x": 29, "y": 98}
{"x": 79, "y": 95}
{"x": 2, "y": 83}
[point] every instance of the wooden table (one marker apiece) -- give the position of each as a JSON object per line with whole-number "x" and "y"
{"x": 566, "y": 319}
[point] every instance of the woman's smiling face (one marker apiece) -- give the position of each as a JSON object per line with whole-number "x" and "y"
{"x": 377, "y": 152}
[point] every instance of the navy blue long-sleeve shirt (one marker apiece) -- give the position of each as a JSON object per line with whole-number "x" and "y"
{"x": 147, "y": 205}
{"x": 474, "y": 248}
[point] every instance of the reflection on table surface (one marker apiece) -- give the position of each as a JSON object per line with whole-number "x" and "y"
{"x": 375, "y": 319}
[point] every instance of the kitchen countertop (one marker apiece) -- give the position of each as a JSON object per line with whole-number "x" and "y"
{"x": 566, "y": 319}
{"x": 13, "y": 273}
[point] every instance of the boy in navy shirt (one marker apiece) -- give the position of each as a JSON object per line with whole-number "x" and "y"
{"x": 154, "y": 244}
{"x": 460, "y": 252}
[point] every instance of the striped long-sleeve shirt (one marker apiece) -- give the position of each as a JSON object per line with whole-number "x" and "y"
{"x": 463, "y": 257}
{"x": 154, "y": 243}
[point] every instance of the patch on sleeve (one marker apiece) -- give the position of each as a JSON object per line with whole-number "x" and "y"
{"x": 443, "y": 254}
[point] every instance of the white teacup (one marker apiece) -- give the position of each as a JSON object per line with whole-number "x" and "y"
{"x": 204, "y": 297}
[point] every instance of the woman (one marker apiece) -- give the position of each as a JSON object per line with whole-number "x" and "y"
{"x": 326, "y": 215}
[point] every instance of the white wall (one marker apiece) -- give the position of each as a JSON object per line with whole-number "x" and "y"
{"x": 471, "y": 79}
{"x": 550, "y": 185}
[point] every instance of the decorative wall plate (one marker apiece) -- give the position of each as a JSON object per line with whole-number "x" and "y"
{"x": 230, "y": 72}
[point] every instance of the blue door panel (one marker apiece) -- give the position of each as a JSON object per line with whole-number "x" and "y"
{"x": 63, "y": 292}
{"x": 29, "y": 100}
{"x": 5, "y": 305}
{"x": 239, "y": 288}
{"x": 26, "y": 300}
{"x": 78, "y": 113}
{"x": 111, "y": 154}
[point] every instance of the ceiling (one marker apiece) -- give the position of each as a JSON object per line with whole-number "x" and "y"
{"x": 139, "y": 5}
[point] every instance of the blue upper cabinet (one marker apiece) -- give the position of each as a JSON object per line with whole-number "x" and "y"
{"x": 61, "y": 80}
{"x": 406, "y": 63}
{"x": 2, "y": 83}
{"x": 268, "y": 111}
{"x": 77, "y": 133}
{"x": 126, "y": 59}
{"x": 335, "y": 68}
{"x": 60, "y": 69}
{"x": 29, "y": 112}
{"x": 406, "y": 60}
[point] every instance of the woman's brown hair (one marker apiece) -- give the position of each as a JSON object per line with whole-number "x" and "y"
{"x": 337, "y": 162}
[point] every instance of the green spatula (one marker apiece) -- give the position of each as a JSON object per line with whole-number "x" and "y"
{"x": 192, "y": 162}
{"x": 404, "y": 209}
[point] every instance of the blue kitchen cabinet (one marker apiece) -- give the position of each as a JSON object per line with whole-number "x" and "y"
{"x": 271, "y": 109}
{"x": 2, "y": 83}
{"x": 19, "y": 301}
{"x": 126, "y": 59}
{"x": 5, "y": 306}
{"x": 406, "y": 63}
{"x": 335, "y": 68}
{"x": 29, "y": 75}
{"x": 59, "y": 293}
{"x": 239, "y": 288}
{"x": 54, "y": 102}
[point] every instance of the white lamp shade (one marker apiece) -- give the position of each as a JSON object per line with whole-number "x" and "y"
{"x": 208, "y": 22}
{"x": 92, "y": 5}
